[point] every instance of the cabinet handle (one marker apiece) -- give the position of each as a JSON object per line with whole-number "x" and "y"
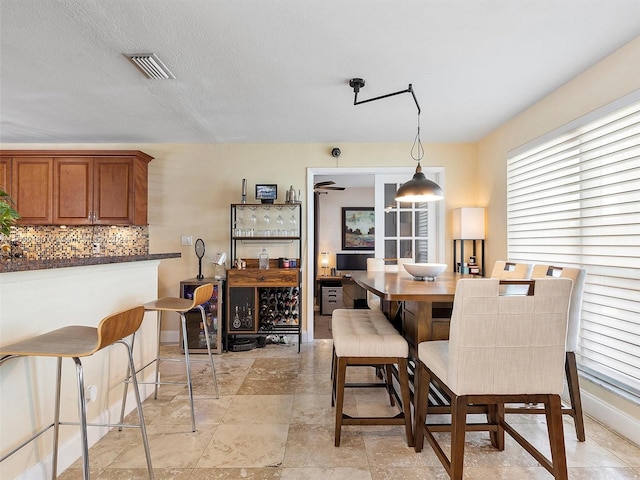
{"x": 262, "y": 278}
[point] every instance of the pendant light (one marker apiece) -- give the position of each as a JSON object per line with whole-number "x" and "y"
{"x": 419, "y": 188}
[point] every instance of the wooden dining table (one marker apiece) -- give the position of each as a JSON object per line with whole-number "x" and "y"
{"x": 421, "y": 310}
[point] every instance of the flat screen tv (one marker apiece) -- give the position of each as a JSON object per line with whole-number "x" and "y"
{"x": 352, "y": 261}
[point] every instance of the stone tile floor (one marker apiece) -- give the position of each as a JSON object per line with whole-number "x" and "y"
{"x": 274, "y": 420}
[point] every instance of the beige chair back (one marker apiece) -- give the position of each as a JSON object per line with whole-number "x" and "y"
{"x": 507, "y": 344}
{"x": 505, "y": 270}
{"x": 578, "y": 275}
{"x": 374, "y": 265}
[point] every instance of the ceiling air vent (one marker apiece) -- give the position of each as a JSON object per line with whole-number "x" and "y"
{"x": 150, "y": 65}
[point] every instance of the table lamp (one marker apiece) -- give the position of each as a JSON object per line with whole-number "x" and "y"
{"x": 325, "y": 262}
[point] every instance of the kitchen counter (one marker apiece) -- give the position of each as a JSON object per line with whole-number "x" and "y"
{"x": 23, "y": 264}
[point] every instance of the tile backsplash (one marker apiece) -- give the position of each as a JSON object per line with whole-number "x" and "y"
{"x": 54, "y": 242}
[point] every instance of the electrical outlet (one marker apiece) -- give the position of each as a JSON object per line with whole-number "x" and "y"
{"x": 95, "y": 248}
{"x": 91, "y": 393}
{"x": 186, "y": 240}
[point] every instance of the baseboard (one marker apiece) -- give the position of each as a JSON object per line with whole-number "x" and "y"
{"x": 71, "y": 450}
{"x": 610, "y": 416}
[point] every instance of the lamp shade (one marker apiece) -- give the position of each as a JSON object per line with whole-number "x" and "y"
{"x": 419, "y": 189}
{"x": 468, "y": 223}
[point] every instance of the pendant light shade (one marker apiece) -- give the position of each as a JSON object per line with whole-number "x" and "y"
{"x": 419, "y": 189}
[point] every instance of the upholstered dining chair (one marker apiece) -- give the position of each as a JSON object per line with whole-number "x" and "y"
{"x": 374, "y": 265}
{"x": 501, "y": 349}
{"x": 506, "y": 270}
{"x": 578, "y": 276}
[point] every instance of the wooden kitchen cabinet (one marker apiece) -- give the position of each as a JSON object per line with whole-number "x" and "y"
{"x": 32, "y": 189}
{"x": 80, "y": 187}
{"x": 5, "y": 174}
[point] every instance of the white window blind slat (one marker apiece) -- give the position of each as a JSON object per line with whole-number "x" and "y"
{"x": 573, "y": 198}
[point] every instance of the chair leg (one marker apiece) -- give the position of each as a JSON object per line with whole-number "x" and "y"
{"x": 56, "y": 420}
{"x": 334, "y": 369}
{"x": 405, "y": 395}
{"x": 208, "y": 341}
{"x": 143, "y": 429}
{"x": 389, "y": 381}
{"x": 553, "y": 412}
{"x": 187, "y": 361}
{"x": 125, "y": 390}
{"x": 571, "y": 370}
{"x": 82, "y": 413}
{"x": 421, "y": 397}
{"x": 341, "y": 370}
{"x": 495, "y": 416}
{"x": 458, "y": 431}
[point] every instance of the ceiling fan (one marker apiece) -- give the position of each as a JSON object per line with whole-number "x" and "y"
{"x": 323, "y": 187}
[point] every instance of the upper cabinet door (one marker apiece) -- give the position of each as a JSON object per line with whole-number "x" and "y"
{"x": 73, "y": 191}
{"x": 113, "y": 195}
{"x": 5, "y": 174}
{"x": 32, "y": 189}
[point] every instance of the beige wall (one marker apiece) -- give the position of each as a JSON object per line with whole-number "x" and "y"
{"x": 614, "y": 77}
{"x": 192, "y": 185}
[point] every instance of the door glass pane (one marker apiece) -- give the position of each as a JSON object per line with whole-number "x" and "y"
{"x": 405, "y": 249}
{"x": 422, "y": 251}
{"x": 390, "y": 224}
{"x": 389, "y": 194}
{"x": 405, "y": 224}
{"x": 422, "y": 224}
{"x": 390, "y": 249}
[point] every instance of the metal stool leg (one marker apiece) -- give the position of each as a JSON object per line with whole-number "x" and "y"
{"x": 56, "y": 420}
{"x": 208, "y": 341}
{"x": 143, "y": 429}
{"x": 187, "y": 360}
{"x": 157, "y": 360}
{"x": 82, "y": 412}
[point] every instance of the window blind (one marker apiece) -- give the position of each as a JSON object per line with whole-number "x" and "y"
{"x": 573, "y": 199}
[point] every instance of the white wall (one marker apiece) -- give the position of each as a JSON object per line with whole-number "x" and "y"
{"x": 330, "y": 218}
{"x": 40, "y": 301}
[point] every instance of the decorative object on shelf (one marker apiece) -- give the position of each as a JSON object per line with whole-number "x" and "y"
{"x": 199, "y": 248}
{"x": 425, "y": 271}
{"x": 244, "y": 190}
{"x": 419, "y": 188}
{"x": 263, "y": 259}
{"x": 358, "y": 228}
{"x": 266, "y": 193}
{"x": 291, "y": 195}
{"x": 325, "y": 262}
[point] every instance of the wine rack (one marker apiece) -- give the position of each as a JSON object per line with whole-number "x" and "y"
{"x": 278, "y": 306}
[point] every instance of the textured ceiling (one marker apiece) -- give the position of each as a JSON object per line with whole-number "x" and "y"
{"x": 252, "y": 71}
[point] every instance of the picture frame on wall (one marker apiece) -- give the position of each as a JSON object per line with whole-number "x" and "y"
{"x": 358, "y": 228}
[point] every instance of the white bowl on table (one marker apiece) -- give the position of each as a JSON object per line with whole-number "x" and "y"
{"x": 425, "y": 271}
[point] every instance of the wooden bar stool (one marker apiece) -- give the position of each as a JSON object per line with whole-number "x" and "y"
{"x": 180, "y": 306}
{"x": 76, "y": 342}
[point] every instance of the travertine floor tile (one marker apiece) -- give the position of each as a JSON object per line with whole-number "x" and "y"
{"x": 274, "y": 420}
{"x": 245, "y": 445}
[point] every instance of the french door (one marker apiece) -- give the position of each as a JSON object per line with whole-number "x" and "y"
{"x": 407, "y": 230}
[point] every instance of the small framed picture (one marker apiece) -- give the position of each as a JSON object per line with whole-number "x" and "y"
{"x": 266, "y": 193}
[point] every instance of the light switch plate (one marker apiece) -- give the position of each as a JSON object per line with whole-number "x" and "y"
{"x": 186, "y": 240}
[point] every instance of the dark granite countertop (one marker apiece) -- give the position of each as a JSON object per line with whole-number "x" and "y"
{"x": 23, "y": 264}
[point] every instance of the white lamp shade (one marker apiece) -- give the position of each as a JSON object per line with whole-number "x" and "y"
{"x": 468, "y": 223}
